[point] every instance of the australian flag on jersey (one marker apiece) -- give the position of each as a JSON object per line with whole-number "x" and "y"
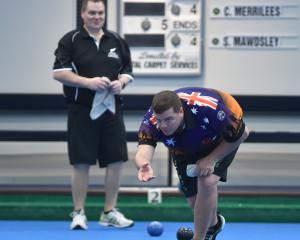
{"x": 206, "y": 118}
{"x": 198, "y": 98}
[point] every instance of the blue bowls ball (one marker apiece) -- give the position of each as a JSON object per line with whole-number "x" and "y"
{"x": 155, "y": 228}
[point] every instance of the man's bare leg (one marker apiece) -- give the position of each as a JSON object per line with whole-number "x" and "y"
{"x": 205, "y": 206}
{"x": 79, "y": 185}
{"x": 112, "y": 185}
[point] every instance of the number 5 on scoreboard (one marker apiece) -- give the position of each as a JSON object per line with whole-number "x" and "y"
{"x": 164, "y": 24}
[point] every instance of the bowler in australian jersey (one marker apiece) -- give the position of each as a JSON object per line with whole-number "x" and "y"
{"x": 203, "y": 129}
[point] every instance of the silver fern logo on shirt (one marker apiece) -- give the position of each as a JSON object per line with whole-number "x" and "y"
{"x": 112, "y": 53}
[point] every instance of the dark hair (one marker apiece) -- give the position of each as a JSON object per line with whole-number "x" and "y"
{"x": 85, "y": 2}
{"x": 165, "y": 100}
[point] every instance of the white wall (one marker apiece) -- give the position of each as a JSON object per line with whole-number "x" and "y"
{"x": 31, "y": 29}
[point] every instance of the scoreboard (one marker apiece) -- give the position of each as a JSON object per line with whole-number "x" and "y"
{"x": 165, "y": 36}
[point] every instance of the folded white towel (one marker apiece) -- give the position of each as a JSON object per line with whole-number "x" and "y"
{"x": 102, "y": 101}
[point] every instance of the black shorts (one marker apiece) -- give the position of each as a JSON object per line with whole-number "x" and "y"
{"x": 188, "y": 185}
{"x": 102, "y": 140}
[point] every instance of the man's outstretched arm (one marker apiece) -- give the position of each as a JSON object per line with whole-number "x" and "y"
{"x": 143, "y": 158}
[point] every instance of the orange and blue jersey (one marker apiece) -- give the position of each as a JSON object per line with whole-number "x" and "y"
{"x": 210, "y": 116}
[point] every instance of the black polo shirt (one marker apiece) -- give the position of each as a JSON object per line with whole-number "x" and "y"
{"x": 78, "y": 52}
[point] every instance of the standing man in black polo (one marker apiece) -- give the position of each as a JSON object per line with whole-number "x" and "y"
{"x": 94, "y": 65}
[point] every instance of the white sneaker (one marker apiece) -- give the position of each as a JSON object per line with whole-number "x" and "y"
{"x": 116, "y": 219}
{"x": 79, "y": 220}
